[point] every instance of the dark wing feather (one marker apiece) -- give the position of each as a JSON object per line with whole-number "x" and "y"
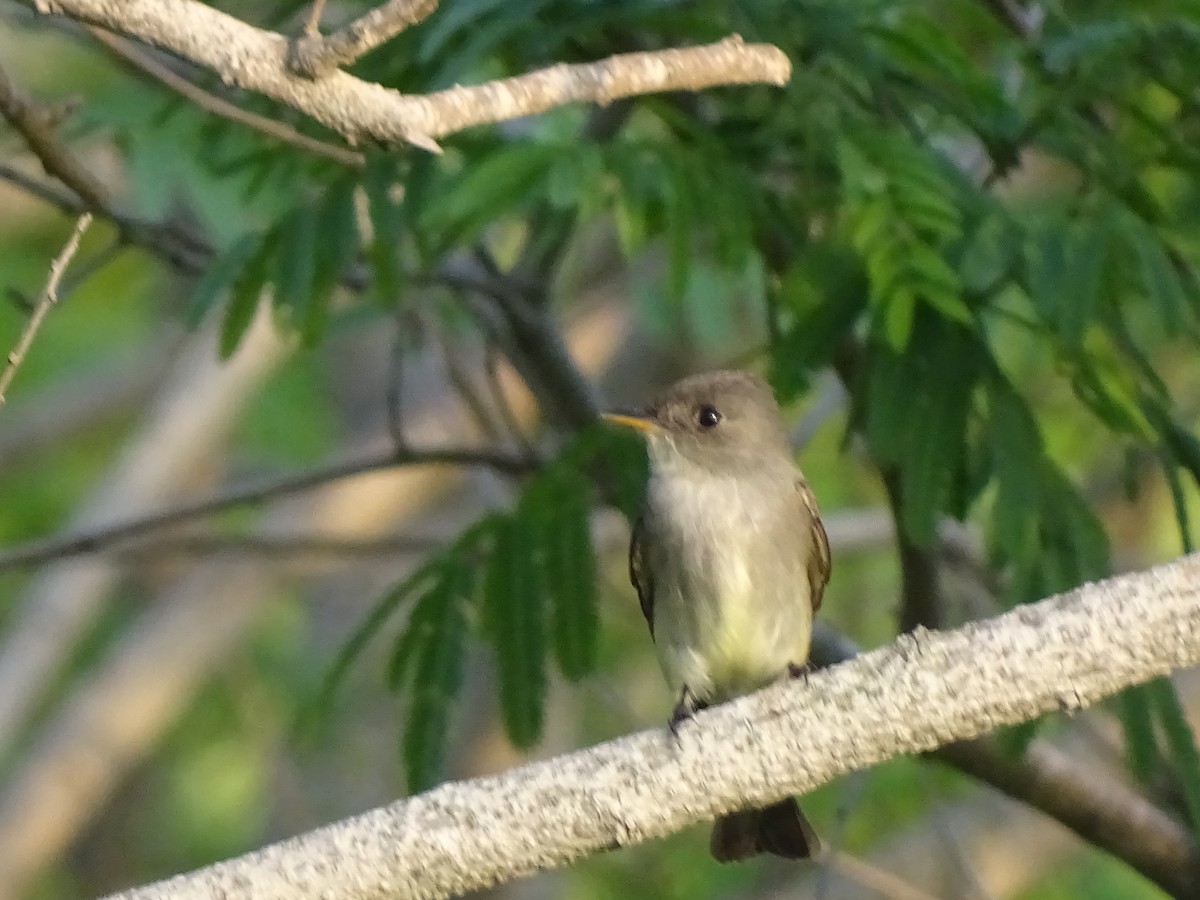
{"x": 819, "y": 561}
{"x": 639, "y": 571}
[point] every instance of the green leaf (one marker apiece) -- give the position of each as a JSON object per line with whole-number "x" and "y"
{"x": 515, "y": 618}
{"x": 220, "y": 275}
{"x": 1178, "y": 502}
{"x": 437, "y": 677}
{"x": 386, "y": 222}
{"x": 900, "y": 310}
{"x": 1018, "y": 457}
{"x": 1015, "y": 740}
{"x": 826, "y": 292}
{"x": 502, "y": 183}
{"x": 1087, "y": 248}
{"x": 936, "y": 420}
{"x": 295, "y": 261}
{"x": 1159, "y": 277}
{"x": 353, "y": 647}
{"x": 1184, "y": 445}
{"x": 245, "y": 296}
{"x": 337, "y": 249}
{"x": 1181, "y": 744}
{"x": 420, "y": 626}
{"x": 563, "y": 517}
{"x": 1134, "y": 709}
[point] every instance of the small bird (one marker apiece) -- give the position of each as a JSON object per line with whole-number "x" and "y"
{"x": 730, "y": 560}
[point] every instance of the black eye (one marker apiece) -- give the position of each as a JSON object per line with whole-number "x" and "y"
{"x": 708, "y": 417}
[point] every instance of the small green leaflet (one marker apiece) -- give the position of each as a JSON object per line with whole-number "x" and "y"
{"x": 437, "y": 675}
{"x": 513, "y": 612}
{"x": 563, "y": 516}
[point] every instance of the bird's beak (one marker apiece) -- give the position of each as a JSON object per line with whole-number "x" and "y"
{"x": 640, "y": 421}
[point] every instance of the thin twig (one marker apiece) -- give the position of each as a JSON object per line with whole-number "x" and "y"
{"x": 102, "y": 537}
{"x": 281, "y": 131}
{"x": 48, "y": 298}
{"x": 278, "y": 546}
{"x": 312, "y": 25}
{"x": 315, "y": 57}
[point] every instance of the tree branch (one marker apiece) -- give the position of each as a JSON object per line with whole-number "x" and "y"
{"x": 254, "y": 59}
{"x": 1104, "y": 812}
{"x": 36, "y": 552}
{"x": 37, "y": 128}
{"x": 315, "y": 57}
{"x": 219, "y": 106}
{"x": 928, "y": 689}
{"x": 47, "y": 299}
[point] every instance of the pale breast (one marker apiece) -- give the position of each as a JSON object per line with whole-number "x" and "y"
{"x": 732, "y": 602}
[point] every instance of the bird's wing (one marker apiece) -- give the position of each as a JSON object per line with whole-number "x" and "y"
{"x": 639, "y": 571}
{"x": 819, "y": 561}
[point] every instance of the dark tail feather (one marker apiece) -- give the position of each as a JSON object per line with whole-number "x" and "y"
{"x": 780, "y": 829}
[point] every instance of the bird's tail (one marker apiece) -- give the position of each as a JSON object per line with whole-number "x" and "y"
{"x": 780, "y": 829}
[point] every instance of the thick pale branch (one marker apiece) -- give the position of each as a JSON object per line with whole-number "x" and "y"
{"x": 316, "y": 56}
{"x": 257, "y": 60}
{"x": 281, "y": 131}
{"x": 927, "y": 690}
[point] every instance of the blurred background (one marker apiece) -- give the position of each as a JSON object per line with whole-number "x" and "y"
{"x": 349, "y": 395}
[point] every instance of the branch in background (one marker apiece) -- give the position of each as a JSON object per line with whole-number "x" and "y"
{"x": 930, "y": 688}
{"x": 37, "y": 128}
{"x": 281, "y": 131}
{"x": 46, "y": 300}
{"x": 1101, "y": 810}
{"x": 37, "y": 552}
{"x": 187, "y": 252}
{"x": 254, "y": 59}
{"x": 315, "y": 57}
{"x": 279, "y": 546}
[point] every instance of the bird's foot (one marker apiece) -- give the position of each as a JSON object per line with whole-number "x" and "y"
{"x": 798, "y": 671}
{"x": 687, "y": 707}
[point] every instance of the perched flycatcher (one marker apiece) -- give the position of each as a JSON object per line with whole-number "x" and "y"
{"x": 729, "y": 559}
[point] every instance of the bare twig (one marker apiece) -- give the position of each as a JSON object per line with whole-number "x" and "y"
{"x": 312, "y": 24}
{"x": 930, "y": 688}
{"x": 92, "y": 541}
{"x": 1103, "y": 811}
{"x": 315, "y": 57}
{"x": 278, "y": 546}
{"x": 37, "y": 128}
{"x": 257, "y": 60}
{"x": 187, "y": 252}
{"x": 46, "y": 300}
{"x": 281, "y": 131}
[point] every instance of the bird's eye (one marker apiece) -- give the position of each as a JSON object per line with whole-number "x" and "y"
{"x": 708, "y": 417}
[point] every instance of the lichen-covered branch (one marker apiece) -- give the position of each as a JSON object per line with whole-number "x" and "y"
{"x": 316, "y": 56}
{"x": 257, "y": 60}
{"x": 926, "y": 690}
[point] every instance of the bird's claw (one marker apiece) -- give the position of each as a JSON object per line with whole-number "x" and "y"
{"x": 684, "y": 710}
{"x": 798, "y": 671}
